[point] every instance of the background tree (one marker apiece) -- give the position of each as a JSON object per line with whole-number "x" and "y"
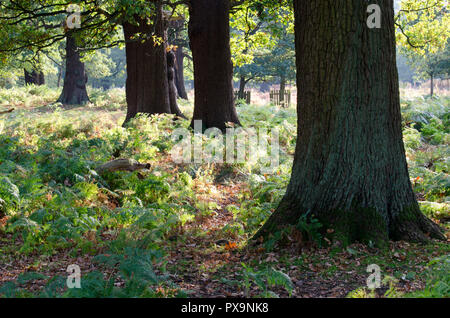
{"x": 178, "y": 36}
{"x": 38, "y": 25}
{"x": 423, "y": 29}
{"x": 147, "y": 88}
{"x": 249, "y": 37}
{"x": 262, "y": 42}
{"x": 34, "y": 76}
{"x": 171, "y": 77}
{"x": 74, "y": 89}
{"x": 349, "y": 169}
{"x": 101, "y": 68}
{"x": 431, "y": 66}
{"x": 209, "y": 34}
{"x": 280, "y": 62}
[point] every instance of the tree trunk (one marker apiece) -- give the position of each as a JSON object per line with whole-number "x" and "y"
{"x": 242, "y": 83}
{"x": 283, "y": 91}
{"x": 431, "y": 85}
{"x": 173, "y": 93}
{"x": 209, "y": 35}
{"x": 75, "y": 79}
{"x": 58, "y": 83}
{"x": 147, "y": 88}
{"x": 349, "y": 169}
{"x": 179, "y": 73}
{"x": 34, "y": 77}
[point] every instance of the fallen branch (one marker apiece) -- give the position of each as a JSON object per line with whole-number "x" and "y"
{"x": 7, "y": 111}
{"x": 121, "y": 165}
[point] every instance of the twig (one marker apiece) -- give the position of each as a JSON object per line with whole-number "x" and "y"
{"x": 7, "y": 111}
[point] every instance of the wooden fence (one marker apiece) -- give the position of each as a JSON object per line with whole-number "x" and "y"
{"x": 247, "y": 96}
{"x": 275, "y": 98}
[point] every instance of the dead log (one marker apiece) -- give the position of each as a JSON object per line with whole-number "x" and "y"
{"x": 121, "y": 165}
{"x": 7, "y": 111}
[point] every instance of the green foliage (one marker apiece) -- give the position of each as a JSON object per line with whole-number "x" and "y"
{"x": 265, "y": 279}
{"x": 411, "y": 138}
{"x": 422, "y": 35}
{"x": 134, "y": 267}
{"x": 440, "y": 211}
{"x": 390, "y": 283}
{"x": 426, "y": 136}
{"x": 423, "y": 26}
{"x": 436, "y": 132}
{"x": 57, "y": 203}
{"x": 438, "y": 280}
{"x": 9, "y": 194}
{"x": 310, "y": 226}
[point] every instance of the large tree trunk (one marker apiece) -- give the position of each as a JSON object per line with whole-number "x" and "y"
{"x": 179, "y": 73}
{"x": 75, "y": 79}
{"x": 34, "y": 77}
{"x": 209, "y": 35}
{"x": 349, "y": 169}
{"x": 147, "y": 88}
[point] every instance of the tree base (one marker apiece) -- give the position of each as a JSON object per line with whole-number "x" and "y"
{"x": 76, "y": 98}
{"x": 364, "y": 225}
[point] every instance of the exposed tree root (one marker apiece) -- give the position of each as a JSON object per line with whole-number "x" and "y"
{"x": 7, "y": 111}
{"x": 121, "y": 165}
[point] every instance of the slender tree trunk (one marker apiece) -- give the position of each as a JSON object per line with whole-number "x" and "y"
{"x": 147, "y": 88}
{"x": 59, "y": 76}
{"x": 177, "y": 25}
{"x": 173, "y": 93}
{"x": 209, "y": 35}
{"x": 431, "y": 85}
{"x": 179, "y": 72}
{"x": 349, "y": 169}
{"x": 242, "y": 83}
{"x": 74, "y": 88}
{"x": 282, "y": 91}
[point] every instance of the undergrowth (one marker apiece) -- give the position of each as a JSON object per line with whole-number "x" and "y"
{"x": 53, "y": 201}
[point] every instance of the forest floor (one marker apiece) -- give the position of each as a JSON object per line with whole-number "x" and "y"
{"x": 181, "y": 230}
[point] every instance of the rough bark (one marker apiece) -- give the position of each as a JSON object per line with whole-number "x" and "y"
{"x": 147, "y": 88}
{"x": 209, "y": 36}
{"x": 74, "y": 88}
{"x": 349, "y": 169}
